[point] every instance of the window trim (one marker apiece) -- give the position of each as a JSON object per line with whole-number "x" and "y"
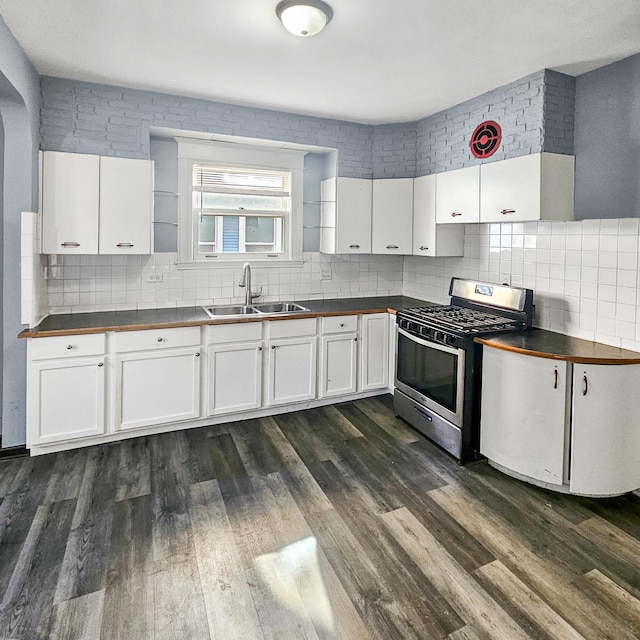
{"x": 257, "y": 157}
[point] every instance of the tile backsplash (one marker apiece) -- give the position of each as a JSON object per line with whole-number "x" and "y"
{"x": 105, "y": 283}
{"x": 584, "y": 273}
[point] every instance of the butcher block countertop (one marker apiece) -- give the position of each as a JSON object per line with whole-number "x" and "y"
{"x": 557, "y": 346}
{"x": 99, "y": 322}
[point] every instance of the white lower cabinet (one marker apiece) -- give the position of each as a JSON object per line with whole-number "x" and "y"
{"x": 374, "y": 352}
{"x": 66, "y": 400}
{"x": 157, "y": 377}
{"x": 523, "y": 414}
{"x": 338, "y": 356}
{"x": 234, "y": 358}
{"x": 292, "y": 370}
{"x": 573, "y": 426}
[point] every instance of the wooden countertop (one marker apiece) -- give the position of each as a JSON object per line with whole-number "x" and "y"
{"x": 557, "y": 346}
{"x": 100, "y": 322}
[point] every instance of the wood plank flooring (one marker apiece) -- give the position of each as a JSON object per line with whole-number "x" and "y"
{"x": 332, "y": 523}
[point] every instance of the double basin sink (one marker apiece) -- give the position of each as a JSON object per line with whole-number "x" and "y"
{"x": 267, "y": 308}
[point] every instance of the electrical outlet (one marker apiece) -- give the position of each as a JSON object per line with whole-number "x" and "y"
{"x": 505, "y": 278}
{"x": 325, "y": 273}
{"x": 155, "y": 277}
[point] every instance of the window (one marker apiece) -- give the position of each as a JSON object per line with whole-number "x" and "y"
{"x": 240, "y": 202}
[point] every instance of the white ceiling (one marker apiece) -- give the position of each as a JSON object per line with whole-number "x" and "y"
{"x": 378, "y": 61}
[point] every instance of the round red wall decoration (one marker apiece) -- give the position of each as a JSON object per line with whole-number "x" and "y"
{"x": 486, "y": 139}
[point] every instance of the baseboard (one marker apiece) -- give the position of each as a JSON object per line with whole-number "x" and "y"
{"x": 13, "y": 452}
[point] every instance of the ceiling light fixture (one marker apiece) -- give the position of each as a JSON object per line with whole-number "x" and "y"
{"x": 304, "y": 17}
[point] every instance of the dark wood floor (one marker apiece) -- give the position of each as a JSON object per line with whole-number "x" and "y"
{"x": 339, "y": 522}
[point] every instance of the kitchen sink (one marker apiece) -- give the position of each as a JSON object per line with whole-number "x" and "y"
{"x": 280, "y": 307}
{"x": 267, "y": 308}
{"x": 230, "y": 310}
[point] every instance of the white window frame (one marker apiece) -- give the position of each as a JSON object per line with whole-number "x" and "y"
{"x": 259, "y": 157}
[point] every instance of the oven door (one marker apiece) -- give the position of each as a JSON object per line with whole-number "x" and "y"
{"x": 432, "y": 374}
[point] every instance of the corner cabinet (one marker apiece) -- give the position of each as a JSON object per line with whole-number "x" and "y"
{"x": 569, "y": 427}
{"x": 431, "y": 239}
{"x": 96, "y": 205}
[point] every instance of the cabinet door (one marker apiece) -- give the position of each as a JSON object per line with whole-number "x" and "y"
{"x": 374, "y": 352}
{"x": 66, "y": 400}
{"x": 126, "y": 205}
{"x": 523, "y": 422}
{"x": 338, "y": 365}
{"x": 430, "y": 239}
{"x": 605, "y": 437}
{"x": 510, "y": 190}
{"x": 292, "y": 370}
{"x": 235, "y": 377}
{"x": 70, "y": 200}
{"x": 392, "y": 218}
{"x": 157, "y": 388}
{"x": 353, "y": 215}
{"x": 458, "y": 196}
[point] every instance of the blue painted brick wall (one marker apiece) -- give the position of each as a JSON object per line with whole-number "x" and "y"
{"x": 536, "y": 113}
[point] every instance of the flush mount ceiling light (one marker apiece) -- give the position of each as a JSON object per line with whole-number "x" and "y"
{"x": 304, "y": 17}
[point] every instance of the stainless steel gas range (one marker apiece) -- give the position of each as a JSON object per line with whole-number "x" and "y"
{"x": 438, "y": 372}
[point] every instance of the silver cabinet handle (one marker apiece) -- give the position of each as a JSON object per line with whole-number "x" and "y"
{"x": 354, "y": 246}
{"x": 69, "y": 346}
{"x": 124, "y": 244}
{"x": 555, "y": 378}
{"x": 355, "y": 339}
{"x": 101, "y": 364}
{"x": 70, "y": 244}
{"x": 392, "y": 246}
{"x": 585, "y": 385}
{"x": 197, "y": 355}
{"x": 273, "y": 346}
{"x": 259, "y": 348}
{"x": 455, "y": 214}
{"x": 160, "y": 339}
{"x": 342, "y": 324}
{"x": 423, "y": 248}
{"x": 504, "y": 212}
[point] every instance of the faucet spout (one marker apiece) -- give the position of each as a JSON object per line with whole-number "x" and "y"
{"x": 245, "y": 281}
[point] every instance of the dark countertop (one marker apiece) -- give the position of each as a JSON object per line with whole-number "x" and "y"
{"x": 99, "y": 322}
{"x": 557, "y": 346}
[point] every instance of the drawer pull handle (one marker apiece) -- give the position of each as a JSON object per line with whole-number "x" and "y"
{"x": 70, "y": 244}
{"x": 160, "y": 339}
{"x": 125, "y": 244}
{"x": 392, "y": 246}
{"x": 455, "y": 214}
{"x": 354, "y": 246}
{"x": 555, "y": 378}
{"x": 197, "y": 355}
{"x": 423, "y": 248}
{"x": 342, "y": 324}
{"x": 69, "y": 346}
{"x": 101, "y": 364}
{"x": 505, "y": 211}
{"x": 585, "y": 385}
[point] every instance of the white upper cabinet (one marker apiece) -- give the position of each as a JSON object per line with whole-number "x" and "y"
{"x": 346, "y": 216}
{"x": 458, "y": 196}
{"x": 528, "y": 188}
{"x": 430, "y": 239}
{"x": 93, "y": 204}
{"x": 126, "y": 205}
{"x": 392, "y": 216}
{"x": 70, "y": 201}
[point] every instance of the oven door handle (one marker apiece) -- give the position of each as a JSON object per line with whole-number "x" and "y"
{"x": 429, "y": 343}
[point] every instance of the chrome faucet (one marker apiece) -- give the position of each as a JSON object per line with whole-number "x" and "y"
{"x": 245, "y": 281}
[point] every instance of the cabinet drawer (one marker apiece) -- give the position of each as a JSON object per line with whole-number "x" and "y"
{"x": 292, "y": 328}
{"x": 157, "y": 339}
{"x": 339, "y": 324}
{"x": 241, "y": 332}
{"x": 67, "y": 346}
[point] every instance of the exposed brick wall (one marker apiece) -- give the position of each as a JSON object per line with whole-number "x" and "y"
{"x": 536, "y": 113}
{"x": 113, "y": 121}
